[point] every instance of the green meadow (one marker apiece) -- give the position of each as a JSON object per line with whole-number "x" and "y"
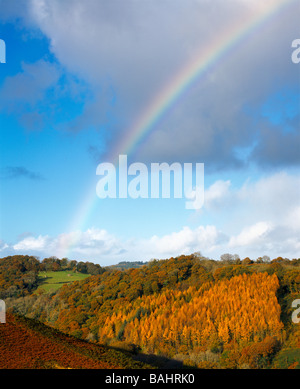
{"x": 50, "y": 281}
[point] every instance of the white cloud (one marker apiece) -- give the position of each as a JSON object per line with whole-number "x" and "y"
{"x": 261, "y": 216}
{"x": 3, "y": 245}
{"x": 275, "y": 198}
{"x": 252, "y": 235}
{"x": 102, "y": 247}
{"x": 217, "y": 193}
{"x": 30, "y": 243}
{"x": 88, "y": 243}
{"x": 186, "y": 241}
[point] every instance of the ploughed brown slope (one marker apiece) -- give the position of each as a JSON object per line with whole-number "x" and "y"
{"x": 28, "y": 344}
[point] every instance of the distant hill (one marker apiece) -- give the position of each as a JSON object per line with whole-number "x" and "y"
{"x": 127, "y": 265}
{"x": 29, "y": 344}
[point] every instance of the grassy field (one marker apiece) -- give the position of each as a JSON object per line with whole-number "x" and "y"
{"x": 50, "y": 281}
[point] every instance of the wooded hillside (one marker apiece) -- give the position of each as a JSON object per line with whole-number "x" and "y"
{"x": 205, "y": 313}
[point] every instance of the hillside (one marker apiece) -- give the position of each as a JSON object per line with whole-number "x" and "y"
{"x": 196, "y": 311}
{"x": 28, "y": 344}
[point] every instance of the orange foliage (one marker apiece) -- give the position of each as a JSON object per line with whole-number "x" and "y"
{"x": 241, "y": 309}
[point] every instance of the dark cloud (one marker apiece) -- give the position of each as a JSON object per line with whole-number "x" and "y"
{"x": 277, "y": 148}
{"x": 13, "y": 172}
{"x": 36, "y": 95}
{"x": 12, "y": 9}
{"x": 25, "y": 94}
{"x": 137, "y": 48}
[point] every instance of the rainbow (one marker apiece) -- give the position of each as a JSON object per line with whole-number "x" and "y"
{"x": 206, "y": 58}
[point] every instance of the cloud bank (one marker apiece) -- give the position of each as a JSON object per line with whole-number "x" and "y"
{"x": 265, "y": 233}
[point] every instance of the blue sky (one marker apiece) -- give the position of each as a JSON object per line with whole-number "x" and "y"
{"x": 77, "y": 77}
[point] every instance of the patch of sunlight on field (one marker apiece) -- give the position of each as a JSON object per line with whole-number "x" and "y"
{"x": 50, "y": 281}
